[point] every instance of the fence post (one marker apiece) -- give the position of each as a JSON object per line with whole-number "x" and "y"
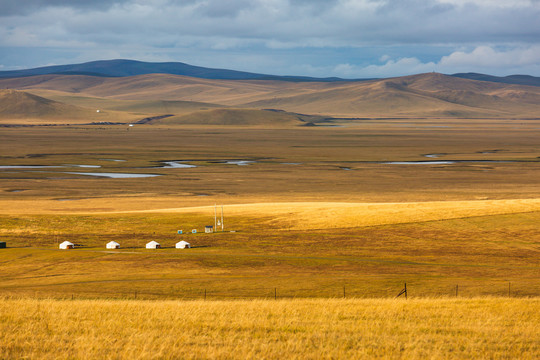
{"x": 275, "y": 293}
{"x": 204, "y": 294}
{"x": 344, "y": 292}
{"x": 456, "y": 290}
{"x": 405, "y": 291}
{"x": 509, "y": 289}
{"x": 135, "y": 295}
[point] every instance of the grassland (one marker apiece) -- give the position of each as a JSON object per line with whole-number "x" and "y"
{"x": 304, "y": 225}
{"x": 432, "y": 257}
{"x": 318, "y": 212}
{"x": 490, "y": 328}
{"x": 295, "y": 164}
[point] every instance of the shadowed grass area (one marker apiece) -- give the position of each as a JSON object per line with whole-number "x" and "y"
{"x": 481, "y": 255}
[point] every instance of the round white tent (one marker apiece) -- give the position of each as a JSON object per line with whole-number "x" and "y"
{"x": 66, "y": 245}
{"x": 113, "y": 245}
{"x": 153, "y": 245}
{"x": 182, "y": 245}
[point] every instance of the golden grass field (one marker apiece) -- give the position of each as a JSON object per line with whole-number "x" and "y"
{"x": 487, "y": 328}
{"x": 316, "y": 214}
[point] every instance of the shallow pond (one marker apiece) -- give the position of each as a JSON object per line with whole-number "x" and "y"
{"x": 28, "y": 167}
{"x": 446, "y": 162}
{"x": 84, "y": 166}
{"x": 114, "y": 175}
{"x": 22, "y": 167}
{"x": 420, "y": 162}
{"x": 175, "y": 165}
{"x": 239, "y": 162}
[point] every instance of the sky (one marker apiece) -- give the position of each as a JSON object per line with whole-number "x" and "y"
{"x": 322, "y": 38}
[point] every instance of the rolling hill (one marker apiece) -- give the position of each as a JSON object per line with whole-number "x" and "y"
{"x": 429, "y": 95}
{"x": 19, "y": 104}
{"x": 242, "y": 117}
{"x": 22, "y": 107}
{"x": 424, "y": 95}
{"x": 511, "y": 79}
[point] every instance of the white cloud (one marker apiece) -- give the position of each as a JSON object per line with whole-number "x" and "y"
{"x": 525, "y": 60}
{"x": 487, "y": 57}
{"x": 402, "y": 66}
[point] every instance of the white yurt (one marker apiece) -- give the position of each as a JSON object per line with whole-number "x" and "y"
{"x": 113, "y": 245}
{"x": 66, "y": 245}
{"x": 182, "y": 245}
{"x": 153, "y": 245}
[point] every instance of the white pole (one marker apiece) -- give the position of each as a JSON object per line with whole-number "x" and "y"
{"x": 221, "y": 218}
{"x": 215, "y": 216}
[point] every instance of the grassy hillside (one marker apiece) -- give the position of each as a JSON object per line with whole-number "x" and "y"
{"x": 138, "y": 107}
{"x": 236, "y": 117}
{"x": 20, "y": 106}
{"x": 425, "y": 95}
{"x": 495, "y": 328}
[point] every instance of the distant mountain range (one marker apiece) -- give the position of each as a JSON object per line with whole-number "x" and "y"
{"x": 124, "y": 68}
{"x": 512, "y": 79}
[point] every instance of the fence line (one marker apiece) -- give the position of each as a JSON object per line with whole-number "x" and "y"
{"x": 345, "y": 292}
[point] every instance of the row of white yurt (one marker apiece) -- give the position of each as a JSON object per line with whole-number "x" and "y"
{"x": 114, "y": 245}
{"x": 179, "y": 245}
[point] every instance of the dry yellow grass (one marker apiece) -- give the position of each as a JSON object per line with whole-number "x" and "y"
{"x": 481, "y": 328}
{"x": 326, "y": 215}
{"x": 290, "y": 215}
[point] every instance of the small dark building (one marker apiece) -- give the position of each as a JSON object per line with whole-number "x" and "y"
{"x": 2, "y": 245}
